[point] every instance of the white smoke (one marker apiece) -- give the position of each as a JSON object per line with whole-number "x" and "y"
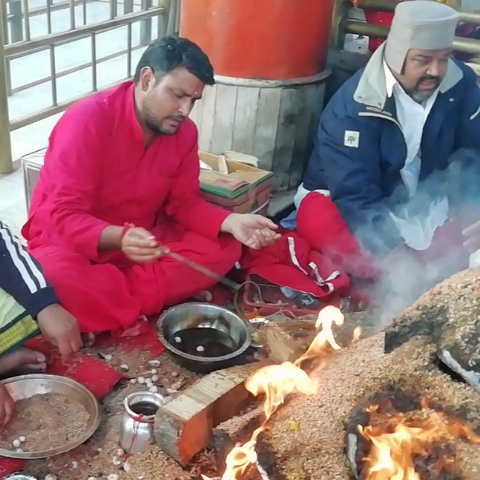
{"x": 405, "y": 275}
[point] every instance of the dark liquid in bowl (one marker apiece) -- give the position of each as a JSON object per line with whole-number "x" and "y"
{"x": 204, "y": 342}
{"x": 144, "y": 408}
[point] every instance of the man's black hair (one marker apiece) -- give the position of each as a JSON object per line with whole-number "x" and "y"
{"x": 167, "y": 53}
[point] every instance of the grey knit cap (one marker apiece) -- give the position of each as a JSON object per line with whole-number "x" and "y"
{"x": 421, "y": 24}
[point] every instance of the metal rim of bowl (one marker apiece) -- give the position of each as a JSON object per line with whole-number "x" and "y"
{"x": 144, "y": 393}
{"x": 196, "y": 358}
{"x": 19, "y": 476}
{"x": 71, "y": 445}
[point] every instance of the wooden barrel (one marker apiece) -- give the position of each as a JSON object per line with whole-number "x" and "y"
{"x": 273, "y": 120}
{"x": 264, "y": 39}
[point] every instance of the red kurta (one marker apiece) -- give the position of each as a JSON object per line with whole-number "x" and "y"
{"x": 97, "y": 173}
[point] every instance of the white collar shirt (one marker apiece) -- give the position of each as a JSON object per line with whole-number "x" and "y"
{"x": 412, "y": 117}
{"x": 417, "y": 230}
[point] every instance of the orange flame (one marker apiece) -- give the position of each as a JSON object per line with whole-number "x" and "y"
{"x": 325, "y": 341}
{"x": 276, "y": 382}
{"x": 396, "y": 442}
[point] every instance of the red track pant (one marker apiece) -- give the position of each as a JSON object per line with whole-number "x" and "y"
{"x": 107, "y": 296}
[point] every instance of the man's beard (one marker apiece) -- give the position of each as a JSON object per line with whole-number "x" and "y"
{"x": 421, "y": 96}
{"x": 156, "y": 126}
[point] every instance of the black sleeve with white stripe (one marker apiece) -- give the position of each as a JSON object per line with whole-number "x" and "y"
{"x": 21, "y": 276}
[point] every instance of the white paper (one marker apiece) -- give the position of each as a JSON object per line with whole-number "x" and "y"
{"x": 418, "y": 230}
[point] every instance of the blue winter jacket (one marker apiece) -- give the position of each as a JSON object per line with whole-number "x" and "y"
{"x": 360, "y": 149}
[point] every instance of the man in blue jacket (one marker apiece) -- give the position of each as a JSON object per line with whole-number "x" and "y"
{"x": 391, "y": 142}
{"x": 28, "y": 307}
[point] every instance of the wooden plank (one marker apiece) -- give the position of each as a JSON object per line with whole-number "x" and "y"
{"x": 226, "y": 101}
{"x": 208, "y": 117}
{"x": 196, "y": 115}
{"x": 266, "y": 126}
{"x": 315, "y": 103}
{"x": 184, "y": 425}
{"x": 280, "y": 201}
{"x": 245, "y": 116}
{"x": 285, "y": 140}
{"x": 311, "y": 98}
{"x": 302, "y": 138}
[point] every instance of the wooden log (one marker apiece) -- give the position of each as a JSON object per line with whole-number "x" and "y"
{"x": 285, "y": 142}
{"x": 236, "y": 430}
{"x": 302, "y": 140}
{"x": 244, "y": 132}
{"x": 205, "y": 119}
{"x": 183, "y": 426}
{"x": 272, "y": 120}
{"x": 222, "y": 135}
{"x": 266, "y": 128}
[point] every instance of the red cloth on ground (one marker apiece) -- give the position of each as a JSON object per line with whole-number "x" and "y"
{"x": 319, "y": 222}
{"x": 10, "y": 465}
{"x": 94, "y": 373}
{"x": 143, "y": 335}
{"x": 97, "y": 173}
{"x": 291, "y": 262}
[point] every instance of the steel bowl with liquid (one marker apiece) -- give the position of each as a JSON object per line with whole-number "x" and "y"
{"x": 203, "y": 337}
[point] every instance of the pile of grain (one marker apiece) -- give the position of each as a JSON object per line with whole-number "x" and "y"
{"x": 100, "y": 457}
{"x": 47, "y": 422}
{"x": 307, "y": 436}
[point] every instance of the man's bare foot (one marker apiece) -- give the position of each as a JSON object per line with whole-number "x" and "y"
{"x": 22, "y": 360}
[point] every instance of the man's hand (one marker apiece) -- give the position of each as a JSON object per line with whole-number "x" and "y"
{"x": 140, "y": 246}
{"x": 60, "y": 328}
{"x": 7, "y": 406}
{"x": 254, "y": 231}
{"x": 472, "y": 235}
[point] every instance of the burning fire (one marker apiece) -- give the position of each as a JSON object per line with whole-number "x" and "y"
{"x": 276, "y": 382}
{"x": 325, "y": 341}
{"x": 398, "y": 441}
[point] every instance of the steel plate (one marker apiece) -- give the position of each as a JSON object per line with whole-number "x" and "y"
{"x": 26, "y": 386}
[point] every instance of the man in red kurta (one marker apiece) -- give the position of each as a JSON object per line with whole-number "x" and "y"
{"x": 120, "y": 182}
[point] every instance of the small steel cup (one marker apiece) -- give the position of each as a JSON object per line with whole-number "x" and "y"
{"x": 136, "y": 430}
